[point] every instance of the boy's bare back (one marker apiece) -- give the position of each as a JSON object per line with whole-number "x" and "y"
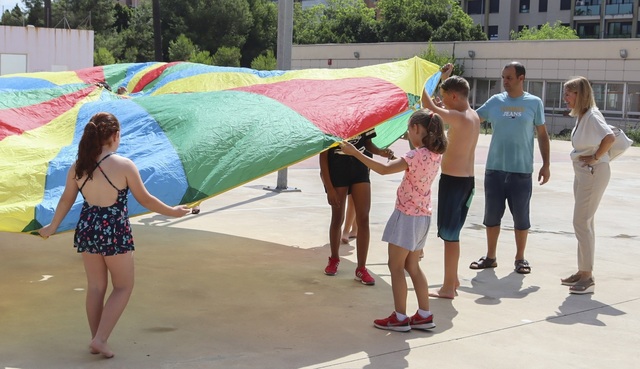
{"x": 459, "y": 159}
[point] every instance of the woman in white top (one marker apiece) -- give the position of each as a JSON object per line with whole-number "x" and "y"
{"x": 591, "y": 139}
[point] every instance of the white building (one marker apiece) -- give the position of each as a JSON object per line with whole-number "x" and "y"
{"x": 613, "y": 67}
{"x": 34, "y": 49}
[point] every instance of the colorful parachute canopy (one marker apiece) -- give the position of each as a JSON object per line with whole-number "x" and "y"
{"x": 193, "y": 130}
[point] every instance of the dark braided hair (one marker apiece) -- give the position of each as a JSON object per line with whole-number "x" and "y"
{"x": 435, "y": 139}
{"x": 97, "y": 132}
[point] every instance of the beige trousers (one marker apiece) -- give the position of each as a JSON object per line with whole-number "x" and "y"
{"x": 589, "y": 184}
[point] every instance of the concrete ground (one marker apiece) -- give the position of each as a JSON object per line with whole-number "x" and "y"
{"x": 241, "y": 286}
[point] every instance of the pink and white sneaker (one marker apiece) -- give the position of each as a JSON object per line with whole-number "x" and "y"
{"x": 363, "y": 276}
{"x": 332, "y": 266}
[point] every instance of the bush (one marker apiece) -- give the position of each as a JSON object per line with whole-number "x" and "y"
{"x": 564, "y": 135}
{"x": 634, "y": 134}
{"x": 265, "y": 61}
{"x": 103, "y": 57}
{"x": 441, "y": 58}
{"x": 227, "y": 57}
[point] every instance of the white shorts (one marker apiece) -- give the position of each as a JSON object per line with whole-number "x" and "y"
{"x": 407, "y": 231}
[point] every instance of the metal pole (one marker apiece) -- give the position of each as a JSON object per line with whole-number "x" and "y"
{"x": 283, "y": 55}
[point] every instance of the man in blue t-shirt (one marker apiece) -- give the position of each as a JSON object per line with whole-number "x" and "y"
{"x": 514, "y": 116}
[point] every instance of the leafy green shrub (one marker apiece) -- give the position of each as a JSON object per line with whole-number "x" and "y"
{"x": 634, "y": 134}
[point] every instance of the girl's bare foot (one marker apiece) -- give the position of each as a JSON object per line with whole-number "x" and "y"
{"x": 345, "y": 237}
{"x": 98, "y": 347}
{"x": 445, "y": 293}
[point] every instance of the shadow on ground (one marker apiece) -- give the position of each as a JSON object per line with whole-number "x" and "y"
{"x": 201, "y": 300}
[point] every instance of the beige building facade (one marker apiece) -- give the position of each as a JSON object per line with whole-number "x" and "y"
{"x": 613, "y": 67}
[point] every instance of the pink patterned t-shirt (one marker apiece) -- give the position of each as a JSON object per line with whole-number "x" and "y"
{"x": 414, "y": 193}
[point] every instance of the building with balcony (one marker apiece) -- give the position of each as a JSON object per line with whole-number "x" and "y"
{"x": 590, "y": 18}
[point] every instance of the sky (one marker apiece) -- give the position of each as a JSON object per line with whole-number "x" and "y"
{"x": 9, "y": 4}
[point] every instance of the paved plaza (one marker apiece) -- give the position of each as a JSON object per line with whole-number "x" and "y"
{"x": 241, "y": 286}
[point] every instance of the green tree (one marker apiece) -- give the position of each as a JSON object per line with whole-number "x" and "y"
{"x": 546, "y": 32}
{"x": 217, "y": 23}
{"x": 227, "y": 57}
{"x": 441, "y": 58}
{"x": 266, "y": 61}
{"x": 15, "y": 17}
{"x": 103, "y": 56}
{"x": 122, "y": 16}
{"x": 182, "y": 49}
{"x": 97, "y": 15}
{"x": 263, "y": 33}
{"x": 350, "y": 21}
{"x": 35, "y": 12}
{"x": 138, "y": 37}
{"x": 410, "y": 20}
{"x": 307, "y": 23}
{"x": 458, "y": 27}
{"x": 340, "y": 21}
{"x": 110, "y": 40}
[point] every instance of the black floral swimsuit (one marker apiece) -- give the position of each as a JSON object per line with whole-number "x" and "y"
{"x": 104, "y": 230}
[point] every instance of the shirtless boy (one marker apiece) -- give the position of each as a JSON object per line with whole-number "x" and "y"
{"x": 456, "y": 186}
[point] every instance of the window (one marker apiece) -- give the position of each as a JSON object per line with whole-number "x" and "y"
{"x": 475, "y": 7}
{"x": 493, "y": 32}
{"x": 553, "y": 97}
{"x": 520, "y": 28}
{"x": 615, "y": 93}
{"x": 494, "y": 6}
{"x": 542, "y": 6}
{"x": 534, "y": 88}
{"x": 588, "y": 30}
{"x": 484, "y": 89}
{"x": 633, "y": 99}
{"x": 565, "y": 4}
{"x": 524, "y": 6}
{"x": 619, "y": 30}
{"x": 598, "y": 94}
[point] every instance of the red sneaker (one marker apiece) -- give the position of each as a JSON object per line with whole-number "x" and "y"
{"x": 393, "y": 324}
{"x": 362, "y": 275}
{"x": 332, "y": 266}
{"x": 418, "y": 322}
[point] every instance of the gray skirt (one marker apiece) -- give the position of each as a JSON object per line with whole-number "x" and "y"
{"x": 407, "y": 231}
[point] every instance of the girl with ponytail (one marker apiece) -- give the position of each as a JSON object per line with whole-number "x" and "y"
{"x": 406, "y": 230}
{"x": 103, "y": 233}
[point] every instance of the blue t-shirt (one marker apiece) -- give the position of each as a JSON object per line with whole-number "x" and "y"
{"x": 513, "y": 122}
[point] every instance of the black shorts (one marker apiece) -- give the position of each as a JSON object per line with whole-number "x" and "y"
{"x": 345, "y": 170}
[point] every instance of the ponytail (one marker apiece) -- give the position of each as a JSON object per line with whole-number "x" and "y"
{"x": 97, "y": 133}
{"x": 435, "y": 139}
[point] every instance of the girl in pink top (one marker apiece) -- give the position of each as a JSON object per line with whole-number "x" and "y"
{"x": 406, "y": 230}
